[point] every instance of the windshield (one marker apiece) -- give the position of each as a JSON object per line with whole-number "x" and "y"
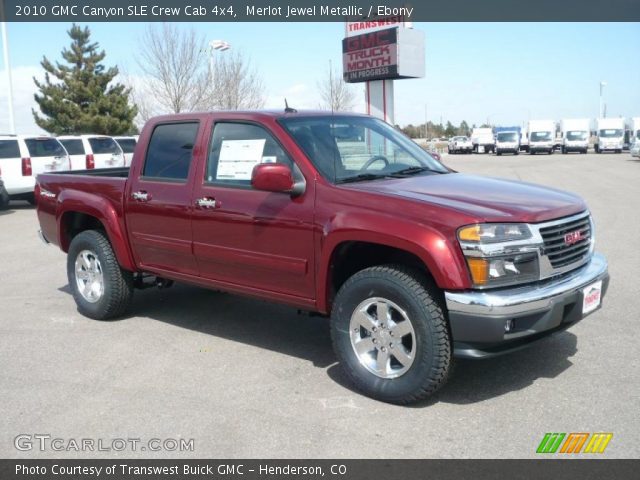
{"x": 508, "y": 137}
{"x": 104, "y": 145}
{"x": 611, "y": 133}
{"x": 576, "y": 135}
{"x": 44, "y": 147}
{"x": 347, "y": 148}
{"x": 460, "y": 139}
{"x": 540, "y": 136}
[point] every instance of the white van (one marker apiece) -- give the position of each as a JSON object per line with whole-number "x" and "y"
{"x": 98, "y": 151}
{"x": 128, "y": 145}
{"x": 22, "y": 157}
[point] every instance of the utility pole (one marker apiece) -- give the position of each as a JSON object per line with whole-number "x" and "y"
{"x": 603, "y": 110}
{"x": 7, "y": 67}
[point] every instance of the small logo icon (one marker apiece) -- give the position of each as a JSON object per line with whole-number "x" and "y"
{"x": 573, "y": 237}
{"x": 574, "y": 442}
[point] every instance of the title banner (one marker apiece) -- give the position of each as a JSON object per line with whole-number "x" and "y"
{"x": 310, "y": 10}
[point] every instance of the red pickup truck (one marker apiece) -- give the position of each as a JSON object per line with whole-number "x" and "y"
{"x": 336, "y": 214}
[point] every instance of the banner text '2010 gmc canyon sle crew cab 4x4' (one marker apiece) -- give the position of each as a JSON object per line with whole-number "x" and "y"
{"x": 336, "y": 214}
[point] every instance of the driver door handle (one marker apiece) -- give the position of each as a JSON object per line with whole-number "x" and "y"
{"x": 207, "y": 202}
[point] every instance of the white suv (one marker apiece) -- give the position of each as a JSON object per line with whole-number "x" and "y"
{"x": 460, "y": 144}
{"x": 22, "y": 157}
{"x": 92, "y": 151}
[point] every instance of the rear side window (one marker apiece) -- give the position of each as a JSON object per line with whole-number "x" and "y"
{"x": 128, "y": 145}
{"x": 73, "y": 146}
{"x": 44, "y": 147}
{"x": 170, "y": 151}
{"x": 101, "y": 145}
{"x": 9, "y": 149}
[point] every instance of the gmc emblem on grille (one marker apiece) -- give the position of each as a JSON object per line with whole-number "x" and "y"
{"x": 573, "y": 237}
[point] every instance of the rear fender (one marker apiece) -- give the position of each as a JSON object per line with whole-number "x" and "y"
{"x": 75, "y": 201}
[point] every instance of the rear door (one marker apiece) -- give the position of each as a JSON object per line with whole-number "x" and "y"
{"x": 75, "y": 149}
{"x": 106, "y": 152}
{"x": 158, "y": 198}
{"x": 47, "y": 155}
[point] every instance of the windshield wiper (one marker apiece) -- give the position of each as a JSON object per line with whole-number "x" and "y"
{"x": 361, "y": 177}
{"x": 414, "y": 170}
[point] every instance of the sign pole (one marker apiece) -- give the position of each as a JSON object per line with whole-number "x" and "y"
{"x": 7, "y": 66}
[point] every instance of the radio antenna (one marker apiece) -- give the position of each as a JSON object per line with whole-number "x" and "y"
{"x": 288, "y": 109}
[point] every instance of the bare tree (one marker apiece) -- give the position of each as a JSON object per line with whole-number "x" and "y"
{"x": 175, "y": 63}
{"x": 236, "y": 85}
{"x": 335, "y": 93}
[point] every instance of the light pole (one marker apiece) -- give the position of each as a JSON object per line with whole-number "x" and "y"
{"x": 221, "y": 46}
{"x": 602, "y": 85}
{"x": 7, "y": 66}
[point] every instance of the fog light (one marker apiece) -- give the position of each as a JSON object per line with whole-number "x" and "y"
{"x": 509, "y": 325}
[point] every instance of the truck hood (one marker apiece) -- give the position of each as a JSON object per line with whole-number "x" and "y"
{"x": 485, "y": 199}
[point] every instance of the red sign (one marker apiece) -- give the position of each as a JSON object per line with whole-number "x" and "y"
{"x": 371, "y": 56}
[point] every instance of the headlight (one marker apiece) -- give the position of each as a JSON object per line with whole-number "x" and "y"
{"x": 500, "y": 254}
{"x": 494, "y": 232}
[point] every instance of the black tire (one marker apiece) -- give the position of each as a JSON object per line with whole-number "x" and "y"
{"x": 118, "y": 283}
{"x": 419, "y": 298}
{"x": 517, "y": 152}
{"x": 31, "y": 198}
{"x": 498, "y": 153}
{"x": 618, "y": 151}
{"x": 4, "y": 200}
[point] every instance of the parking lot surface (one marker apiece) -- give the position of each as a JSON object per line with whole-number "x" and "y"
{"x": 246, "y": 378}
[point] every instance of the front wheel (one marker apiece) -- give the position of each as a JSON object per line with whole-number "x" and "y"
{"x": 102, "y": 290}
{"x": 390, "y": 334}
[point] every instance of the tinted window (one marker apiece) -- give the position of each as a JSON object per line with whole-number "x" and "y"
{"x": 44, "y": 147}
{"x": 127, "y": 144}
{"x": 170, "y": 151}
{"x": 103, "y": 145}
{"x": 73, "y": 146}
{"x": 9, "y": 149}
{"x": 238, "y": 147}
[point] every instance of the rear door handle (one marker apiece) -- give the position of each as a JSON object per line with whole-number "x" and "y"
{"x": 207, "y": 202}
{"x": 141, "y": 196}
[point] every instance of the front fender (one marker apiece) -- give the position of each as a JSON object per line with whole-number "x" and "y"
{"x": 439, "y": 254}
{"x": 75, "y": 201}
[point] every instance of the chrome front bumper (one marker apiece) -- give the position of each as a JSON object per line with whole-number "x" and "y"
{"x": 478, "y": 318}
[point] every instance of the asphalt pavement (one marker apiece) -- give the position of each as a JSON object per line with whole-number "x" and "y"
{"x": 242, "y": 378}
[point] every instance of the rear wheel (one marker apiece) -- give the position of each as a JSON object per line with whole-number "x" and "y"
{"x": 4, "y": 200}
{"x": 390, "y": 334}
{"x": 102, "y": 290}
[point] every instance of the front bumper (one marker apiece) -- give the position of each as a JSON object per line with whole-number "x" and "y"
{"x": 478, "y": 318}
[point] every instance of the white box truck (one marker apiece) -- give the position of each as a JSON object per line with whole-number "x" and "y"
{"x": 542, "y": 134}
{"x": 482, "y": 140}
{"x": 575, "y": 134}
{"x": 609, "y": 134}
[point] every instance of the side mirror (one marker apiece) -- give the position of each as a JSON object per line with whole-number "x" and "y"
{"x": 272, "y": 177}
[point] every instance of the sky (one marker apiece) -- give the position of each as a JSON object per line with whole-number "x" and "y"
{"x": 504, "y": 73}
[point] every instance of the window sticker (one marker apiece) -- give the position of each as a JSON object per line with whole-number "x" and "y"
{"x": 238, "y": 157}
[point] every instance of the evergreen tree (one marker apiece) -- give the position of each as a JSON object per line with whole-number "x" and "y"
{"x": 81, "y": 98}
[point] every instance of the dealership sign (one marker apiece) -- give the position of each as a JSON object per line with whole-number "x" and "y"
{"x": 383, "y": 54}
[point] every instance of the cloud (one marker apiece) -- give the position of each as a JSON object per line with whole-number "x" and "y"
{"x": 23, "y": 91}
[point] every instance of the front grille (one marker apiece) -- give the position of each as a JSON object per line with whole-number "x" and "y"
{"x": 556, "y": 248}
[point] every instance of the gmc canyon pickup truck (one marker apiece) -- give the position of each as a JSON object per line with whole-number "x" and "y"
{"x": 339, "y": 215}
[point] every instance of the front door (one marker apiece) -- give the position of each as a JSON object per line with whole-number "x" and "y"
{"x": 254, "y": 239}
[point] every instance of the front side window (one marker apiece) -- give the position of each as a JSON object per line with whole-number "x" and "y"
{"x": 170, "y": 151}
{"x": 345, "y": 148}
{"x": 44, "y": 147}
{"x": 238, "y": 147}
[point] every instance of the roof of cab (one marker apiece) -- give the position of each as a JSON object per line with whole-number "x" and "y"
{"x": 255, "y": 114}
